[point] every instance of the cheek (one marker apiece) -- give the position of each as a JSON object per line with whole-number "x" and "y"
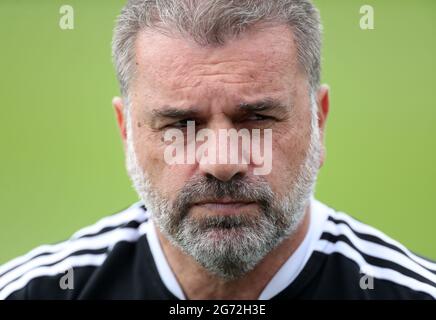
{"x": 149, "y": 152}
{"x": 288, "y": 154}
{"x": 168, "y": 179}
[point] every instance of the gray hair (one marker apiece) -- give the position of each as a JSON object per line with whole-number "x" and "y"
{"x": 210, "y": 22}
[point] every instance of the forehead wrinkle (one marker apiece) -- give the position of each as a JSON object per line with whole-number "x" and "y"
{"x": 269, "y": 79}
{"x": 173, "y": 61}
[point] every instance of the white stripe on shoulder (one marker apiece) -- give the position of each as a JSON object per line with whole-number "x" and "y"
{"x": 377, "y": 272}
{"x": 134, "y": 212}
{"x": 61, "y": 267}
{"x": 366, "y": 229}
{"x": 378, "y": 251}
{"x": 102, "y": 241}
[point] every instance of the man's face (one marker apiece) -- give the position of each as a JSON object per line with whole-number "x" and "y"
{"x": 223, "y": 215}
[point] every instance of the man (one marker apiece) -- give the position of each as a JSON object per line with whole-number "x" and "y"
{"x": 207, "y": 229}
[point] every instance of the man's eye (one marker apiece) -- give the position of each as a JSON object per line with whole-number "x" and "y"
{"x": 257, "y": 117}
{"x": 182, "y": 123}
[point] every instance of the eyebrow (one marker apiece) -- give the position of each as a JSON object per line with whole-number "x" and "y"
{"x": 171, "y": 112}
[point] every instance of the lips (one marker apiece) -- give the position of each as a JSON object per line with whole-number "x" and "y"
{"x": 225, "y": 206}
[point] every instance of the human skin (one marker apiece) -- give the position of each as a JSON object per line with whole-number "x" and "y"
{"x": 259, "y": 64}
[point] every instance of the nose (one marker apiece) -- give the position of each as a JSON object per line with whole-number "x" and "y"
{"x": 225, "y": 152}
{"x": 223, "y": 172}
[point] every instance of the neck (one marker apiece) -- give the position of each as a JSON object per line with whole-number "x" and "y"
{"x": 197, "y": 283}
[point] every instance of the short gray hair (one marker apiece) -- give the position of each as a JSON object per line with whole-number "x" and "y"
{"x": 210, "y": 22}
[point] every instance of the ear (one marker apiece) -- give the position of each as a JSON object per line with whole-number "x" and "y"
{"x": 118, "y": 105}
{"x": 323, "y": 101}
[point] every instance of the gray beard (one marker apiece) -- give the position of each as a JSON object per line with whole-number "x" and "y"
{"x": 229, "y": 246}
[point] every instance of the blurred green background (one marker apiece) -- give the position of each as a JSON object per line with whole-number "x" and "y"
{"x": 62, "y": 164}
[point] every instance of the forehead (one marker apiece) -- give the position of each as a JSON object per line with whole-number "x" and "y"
{"x": 258, "y": 62}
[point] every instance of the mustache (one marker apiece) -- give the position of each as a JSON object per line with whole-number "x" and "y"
{"x": 205, "y": 188}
